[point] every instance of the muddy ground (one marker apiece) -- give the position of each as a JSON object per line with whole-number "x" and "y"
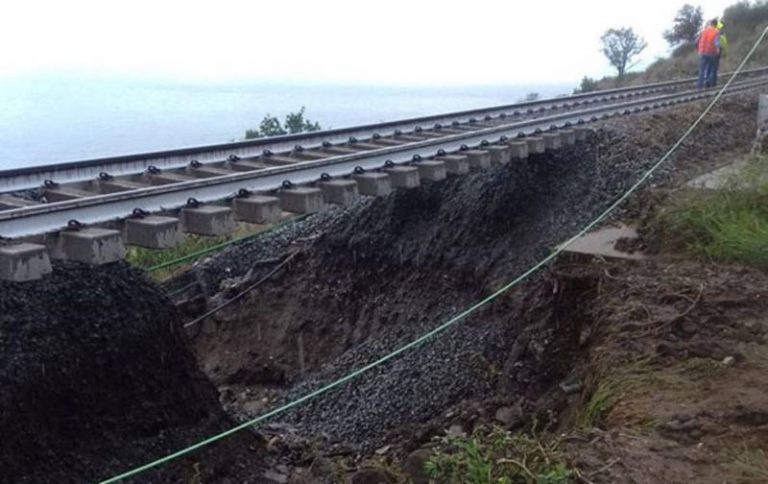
{"x": 674, "y": 365}
{"x": 102, "y": 378}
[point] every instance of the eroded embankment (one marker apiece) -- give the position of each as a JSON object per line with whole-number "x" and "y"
{"x": 668, "y": 382}
{"x": 96, "y": 376}
{"x": 394, "y": 268}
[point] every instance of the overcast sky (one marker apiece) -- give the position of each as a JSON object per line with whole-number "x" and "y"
{"x": 383, "y": 42}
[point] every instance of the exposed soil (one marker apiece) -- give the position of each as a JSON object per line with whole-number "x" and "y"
{"x": 677, "y": 352}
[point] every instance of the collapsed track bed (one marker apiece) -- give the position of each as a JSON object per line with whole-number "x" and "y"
{"x": 102, "y": 379}
{"x": 376, "y": 276}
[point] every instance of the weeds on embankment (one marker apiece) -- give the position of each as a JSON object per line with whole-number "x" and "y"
{"x": 494, "y": 455}
{"x": 728, "y": 224}
{"x": 192, "y": 244}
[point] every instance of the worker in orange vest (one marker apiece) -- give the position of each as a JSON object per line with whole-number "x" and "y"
{"x": 709, "y": 49}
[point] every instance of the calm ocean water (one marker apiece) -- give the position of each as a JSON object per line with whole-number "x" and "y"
{"x": 52, "y": 120}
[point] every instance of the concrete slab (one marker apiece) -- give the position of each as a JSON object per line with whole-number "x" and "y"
{"x": 258, "y": 209}
{"x": 602, "y": 243}
{"x": 342, "y": 150}
{"x": 373, "y": 184}
{"x": 153, "y": 232}
{"x": 410, "y": 138}
{"x": 500, "y": 154}
{"x": 518, "y": 150}
{"x": 9, "y": 202}
{"x": 478, "y": 159}
{"x": 310, "y": 155}
{"x": 339, "y": 192}
{"x": 718, "y": 178}
{"x": 167, "y": 178}
{"x": 403, "y": 176}
{"x": 247, "y": 165}
{"x": 301, "y": 199}
{"x": 116, "y": 186}
{"x": 93, "y": 246}
{"x": 204, "y": 171}
{"x": 536, "y": 145}
{"x": 64, "y": 194}
{"x": 552, "y": 141}
{"x": 430, "y": 134}
{"x": 211, "y": 220}
{"x": 24, "y": 262}
{"x": 456, "y": 164}
{"x": 568, "y": 137}
{"x": 582, "y": 134}
{"x": 389, "y": 142}
{"x": 367, "y": 146}
{"x": 278, "y": 160}
{"x": 433, "y": 170}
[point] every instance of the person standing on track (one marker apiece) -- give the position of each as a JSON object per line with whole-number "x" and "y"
{"x": 709, "y": 48}
{"x": 721, "y": 53}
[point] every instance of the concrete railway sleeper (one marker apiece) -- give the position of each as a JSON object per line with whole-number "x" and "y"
{"x": 96, "y": 229}
{"x": 122, "y": 173}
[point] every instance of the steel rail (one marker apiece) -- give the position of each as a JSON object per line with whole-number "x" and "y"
{"x": 52, "y": 217}
{"x": 79, "y": 171}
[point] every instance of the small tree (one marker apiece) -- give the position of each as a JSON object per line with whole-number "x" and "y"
{"x": 530, "y": 97}
{"x": 294, "y": 123}
{"x": 620, "y": 46}
{"x": 688, "y": 23}
{"x": 587, "y": 85}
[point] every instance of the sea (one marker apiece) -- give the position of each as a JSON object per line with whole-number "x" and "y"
{"x": 48, "y": 119}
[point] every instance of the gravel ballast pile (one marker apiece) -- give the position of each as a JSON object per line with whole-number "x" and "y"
{"x": 96, "y": 378}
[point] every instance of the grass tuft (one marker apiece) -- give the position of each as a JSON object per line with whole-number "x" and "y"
{"x": 729, "y": 224}
{"x": 703, "y": 367}
{"x": 494, "y": 455}
{"x": 751, "y": 464}
{"x": 606, "y": 395}
{"x": 149, "y": 258}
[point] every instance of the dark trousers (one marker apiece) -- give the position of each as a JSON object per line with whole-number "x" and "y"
{"x": 706, "y": 70}
{"x": 715, "y": 70}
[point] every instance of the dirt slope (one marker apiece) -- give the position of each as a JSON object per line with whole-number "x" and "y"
{"x": 675, "y": 373}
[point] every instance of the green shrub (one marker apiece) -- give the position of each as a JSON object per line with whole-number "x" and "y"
{"x": 294, "y": 123}
{"x": 587, "y": 85}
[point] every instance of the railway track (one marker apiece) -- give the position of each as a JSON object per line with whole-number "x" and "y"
{"x": 203, "y": 190}
{"x": 319, "y": 143}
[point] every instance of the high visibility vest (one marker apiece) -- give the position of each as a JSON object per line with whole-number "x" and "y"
{"x": 723, "y": 38}
{"x": 707, "y": 41}
{"x": 723, "y": 43}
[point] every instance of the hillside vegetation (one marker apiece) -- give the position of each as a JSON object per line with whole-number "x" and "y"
{"x": 744, "y": 21}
